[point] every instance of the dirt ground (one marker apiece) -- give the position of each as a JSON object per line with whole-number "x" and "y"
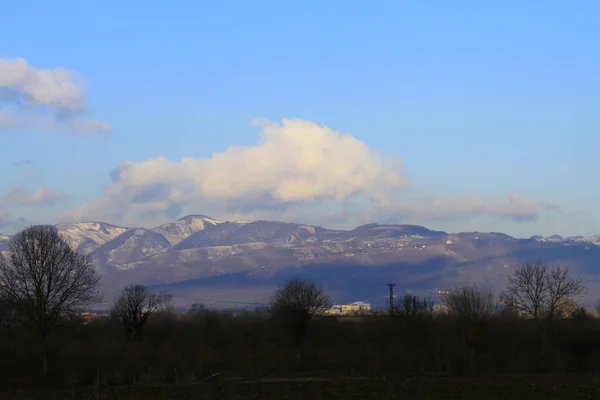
{"x": 568, "y": 387}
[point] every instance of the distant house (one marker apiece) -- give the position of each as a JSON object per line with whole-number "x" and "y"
{"x": 89, "y": 316}
{"x": 358, "y": 307}
{"x": 334, "y": 310}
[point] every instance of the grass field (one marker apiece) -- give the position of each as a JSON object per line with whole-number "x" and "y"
{"x": 568, "y": 387}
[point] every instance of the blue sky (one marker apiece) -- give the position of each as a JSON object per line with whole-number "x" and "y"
{"x": 479, "y": 101}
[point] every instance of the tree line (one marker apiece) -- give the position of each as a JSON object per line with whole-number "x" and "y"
{"x": 533, "y": 325}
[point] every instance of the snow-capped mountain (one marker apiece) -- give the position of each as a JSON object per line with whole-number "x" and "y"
{"x": 87, "y": 236}
{"x": 138, "y": 245}
{"x": 176, "y": 231}
{"x": 198, "y": 248}
{"x": 595, "y": 240}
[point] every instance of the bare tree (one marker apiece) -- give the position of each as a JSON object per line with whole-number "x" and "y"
{"x": 297, "y": 302}
{"x": 566, "y": 307}
{"x": 411, "y": 306}
{"x": 540, "y": 291}
{"x": 197, "y": 308}
{"x": 42, "y": 279}
{"x": 135, "y": 305}
{"x": 469, "y": 302}
{"x": 472, "y": 307}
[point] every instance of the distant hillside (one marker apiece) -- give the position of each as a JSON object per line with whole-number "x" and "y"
{"x": 199, "y": 256}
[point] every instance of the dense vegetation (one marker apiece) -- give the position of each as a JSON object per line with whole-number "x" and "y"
{"x": 179, "y": 347}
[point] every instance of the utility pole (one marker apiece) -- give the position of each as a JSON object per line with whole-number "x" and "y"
{"x": 391, "y": 286}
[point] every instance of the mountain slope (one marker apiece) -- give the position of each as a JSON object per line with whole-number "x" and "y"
{"x": 176, "y": 231}
{"x": 132, "y": 246}
{"x": 87, "y": 236}
{"x": 138, "y": 245}
{"x": 198, "y": 253}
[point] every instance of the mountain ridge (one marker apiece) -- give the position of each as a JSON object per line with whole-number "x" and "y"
{"x": 197, "y": 248}
{"x": 195, "y": 217}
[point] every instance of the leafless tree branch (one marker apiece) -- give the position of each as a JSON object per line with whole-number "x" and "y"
{"x": 411, "y": 306}
{"x": 135, "y": 305}
{"x": 297, "y": 295}
{"x": 42, "y": 278}
{"x": 298, "y": 302}
{"x": 540, "y": 291}
{"x": 470, "y": 302}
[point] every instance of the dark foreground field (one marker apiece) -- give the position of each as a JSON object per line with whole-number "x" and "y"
{"x": 207, "y": 354}
{"x": 568, "y": 387}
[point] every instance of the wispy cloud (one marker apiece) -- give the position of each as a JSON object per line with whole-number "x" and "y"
{"x": 24, "y": 162}
{"x": 26, "y": 167}
{"x": 43, "y": 99}
{"x": 40, "y": 197}
{"x": 9, "y": 225}
{"x": 549, "y": 205}
{"x": 4, "y": 218}
{"x": 297, "y": 167}
{"x": 514, "y": 206}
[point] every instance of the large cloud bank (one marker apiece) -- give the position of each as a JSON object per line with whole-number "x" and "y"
{"x": 297, "y": 168}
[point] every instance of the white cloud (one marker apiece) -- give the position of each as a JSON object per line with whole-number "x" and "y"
{"x": 3, "y": 218}
{"x": 45, "y": 99}
{"x": 10, "y": 225}
{"x": 516, "y": 207}
{"x": 549, "y": 205}
{"x": 21, "y": 196}
{"x": 295, "y": 167}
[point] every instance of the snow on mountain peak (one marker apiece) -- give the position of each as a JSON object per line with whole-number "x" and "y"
{"x": 196, "y": 216}
{"x": 594, "y": 239}
{"x": 309, "y": 228}
{"x": 177, "y": 231}
{"x": 87, "y": 236}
